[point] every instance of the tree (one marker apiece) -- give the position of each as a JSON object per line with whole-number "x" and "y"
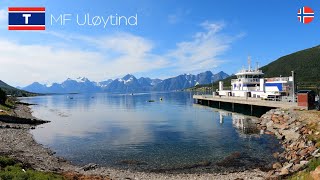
{"x": 3, "y": 97}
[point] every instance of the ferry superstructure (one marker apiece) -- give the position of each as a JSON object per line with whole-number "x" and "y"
{"x": 251, "y": 83}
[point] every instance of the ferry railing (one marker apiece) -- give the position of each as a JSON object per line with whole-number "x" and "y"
{"x": 256, "y": 80}
{"x": 246, "y": 80}
{"x": 250, "y": 71}
{"x": 277, "y": 79}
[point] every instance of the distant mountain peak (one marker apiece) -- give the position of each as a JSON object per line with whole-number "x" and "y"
{"x": 128, "y": 83}
{"x": 79, "y": 79}
{"x": 36, "y": 83}
{"x": 82, "y": 79}
{"x": 221, "y": 72}
{"x": 128, "y": 76}
{"x": 48, "y": 85}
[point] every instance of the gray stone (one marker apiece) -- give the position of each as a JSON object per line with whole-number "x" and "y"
{"x": 284, "y": 172}
{"x": 297, "y": 167}
{"x": 290, "y": 134}
{"x": 277, "y": 112}
{"x": 269, "y": 124}
{"x": 276, "y": 165}
{"x": 90, "y": 166}
{"x": 315, "y": 152}
{"x": 291, "y": 120}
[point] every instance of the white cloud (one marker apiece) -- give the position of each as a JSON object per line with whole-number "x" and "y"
{"x": 100, "y": 58}
{"x": 29, "y": 63}
{"x": 203, "y": 51}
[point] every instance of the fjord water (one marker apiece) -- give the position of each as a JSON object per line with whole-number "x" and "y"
{"x": 127, "y": 131}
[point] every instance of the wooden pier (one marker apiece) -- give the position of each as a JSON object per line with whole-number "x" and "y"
{"x": 238, "y": 104}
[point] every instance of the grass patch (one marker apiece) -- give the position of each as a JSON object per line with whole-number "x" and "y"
{"x": 10, "y": 169}
{"x": 8, "y": 106}
{"x": 313, "y": 164}
{"x": 4, "y": 107}
{"x": 10, "y": 102}
{"x": 305, "y": 175}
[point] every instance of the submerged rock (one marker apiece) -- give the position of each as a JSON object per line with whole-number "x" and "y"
{"x": 231, "y": 160}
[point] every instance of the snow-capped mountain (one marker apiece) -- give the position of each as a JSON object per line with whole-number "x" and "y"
{"x": 104, "y": 84}
{"x": 128, "y": 84}
{"x": 189, "y": 80}
{"x": 78, "y": 85}
{"x": 81, "y": 84}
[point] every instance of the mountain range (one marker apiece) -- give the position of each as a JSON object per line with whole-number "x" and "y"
{"x": 127, "y": 84}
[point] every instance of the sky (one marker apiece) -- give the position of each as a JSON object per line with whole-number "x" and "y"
{"x": 171, "y": 37}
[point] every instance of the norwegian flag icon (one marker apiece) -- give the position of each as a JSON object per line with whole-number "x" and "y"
{"x": 305, "y": 15}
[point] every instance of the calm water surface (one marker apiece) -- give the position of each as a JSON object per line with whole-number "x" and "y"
{"x": 125, "y": 131}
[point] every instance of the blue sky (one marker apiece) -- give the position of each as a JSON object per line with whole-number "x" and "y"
{"x": 171, "y": 38}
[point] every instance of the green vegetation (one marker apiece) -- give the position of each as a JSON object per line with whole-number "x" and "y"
{"x": 6, "y": 161}
{"x": 305, "y": 63}
{"x": 14, "y": 91}
{"x": 8, "y": 106}
{"x": 3, "y": 96}
{"x": 313, "y": 164}
{"x": 10, "y": 169}
{"x": 305, "y": 174}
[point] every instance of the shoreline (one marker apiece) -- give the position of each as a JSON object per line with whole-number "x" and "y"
{"x": 298, "y": 132}
{"x": 288, "y": 126}
{"x": 17, "y": 142}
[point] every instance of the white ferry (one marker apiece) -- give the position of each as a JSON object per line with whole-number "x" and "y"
{"x": 251, "y": 83}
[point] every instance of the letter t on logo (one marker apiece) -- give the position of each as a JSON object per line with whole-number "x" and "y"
{"x": 26, "y": 18}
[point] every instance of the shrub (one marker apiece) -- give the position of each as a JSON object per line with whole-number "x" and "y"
{"x": 9, "y": 170}
{"x": 6, "y": 161}
{"x": 3, "y": 97}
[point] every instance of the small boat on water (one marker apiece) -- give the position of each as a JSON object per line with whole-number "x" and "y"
{"x": 151, "y": 100}
{"x": 69, "y": 97}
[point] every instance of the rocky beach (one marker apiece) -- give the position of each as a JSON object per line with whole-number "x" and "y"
{"x": 298, "y": 132}
{"x": 289, "y": 126}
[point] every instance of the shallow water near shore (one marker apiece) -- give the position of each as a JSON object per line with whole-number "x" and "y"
{"x": 129, "y": 132}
